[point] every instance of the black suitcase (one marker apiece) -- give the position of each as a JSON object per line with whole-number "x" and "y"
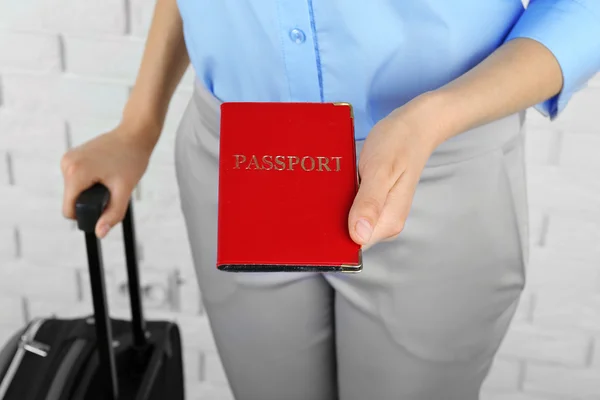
{"x": 95, "y": 357}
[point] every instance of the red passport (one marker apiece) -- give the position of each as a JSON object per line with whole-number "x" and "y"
{"x": 287, "y": 180}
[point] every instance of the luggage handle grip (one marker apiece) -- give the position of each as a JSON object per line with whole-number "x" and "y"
{"x": 89, "y": 207}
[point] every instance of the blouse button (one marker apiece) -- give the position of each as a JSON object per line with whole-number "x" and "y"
{"x": 297, "y": 36}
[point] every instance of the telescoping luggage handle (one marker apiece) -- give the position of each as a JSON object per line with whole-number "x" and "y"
{"x": 89, "y": 207}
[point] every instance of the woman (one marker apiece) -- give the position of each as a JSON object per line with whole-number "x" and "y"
{"x": 438, "y": 90}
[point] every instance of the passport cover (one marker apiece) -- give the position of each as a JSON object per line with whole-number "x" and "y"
{"x": 287, "y": 180}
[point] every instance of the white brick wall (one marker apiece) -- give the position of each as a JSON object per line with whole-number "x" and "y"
{"x": 64, "y": 95}
{"x": 90, "y": 17}
{"x": 30, "y": 52}
{"x": 64, "y": 77}
{"x": 505, "y": 375}
{"x": 583, "y": 383}
{"x": 32, "y": 136}
{"x": 541, "y": 344}
{"x": 594, "y": 357}
{"x": 141, "y": 16}
{"x": 115, "y": 57}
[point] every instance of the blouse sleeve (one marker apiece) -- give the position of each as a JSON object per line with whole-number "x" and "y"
{"x": 570, "y": 29}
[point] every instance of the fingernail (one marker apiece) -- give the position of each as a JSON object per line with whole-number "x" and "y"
{"x": 364, "y": 230}
{"x": 103, "y": 230}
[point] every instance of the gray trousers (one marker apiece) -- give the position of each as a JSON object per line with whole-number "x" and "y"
{"x": 423, "y": 320}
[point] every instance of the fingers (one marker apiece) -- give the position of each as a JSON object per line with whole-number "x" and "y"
{"x": 77, "y": 178}
{"x": 395, "y": 211}
{"x": 390, "y": 164}
{"x": 75, "y": 182}
{"x": 115, "y": 211}
{"x": 369, "y": 202}
{"x": 384, "y": 206}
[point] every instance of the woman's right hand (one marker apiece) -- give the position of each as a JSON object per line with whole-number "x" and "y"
{"x": 117, "y": 159}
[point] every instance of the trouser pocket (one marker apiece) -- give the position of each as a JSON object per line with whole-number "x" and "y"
{"x": 455, "y": 274}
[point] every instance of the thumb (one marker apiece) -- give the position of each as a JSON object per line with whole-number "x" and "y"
{"x": 368, "y": 206}
{"x": 114, "y": 212}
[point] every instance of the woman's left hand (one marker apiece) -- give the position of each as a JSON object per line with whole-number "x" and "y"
{"x": 520, "y": 73}
{"x": 390, "y": 165}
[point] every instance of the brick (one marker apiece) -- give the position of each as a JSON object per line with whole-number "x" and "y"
{"x": 538, "y": 226}
{"x": 214, "y": 368}
{"x": 534, "y": 343}
{"x": 193, "y": 364}
{"x": 579, "y": 115}
{"x": 561, "y": 381}
{"x": 21, "y": 278}
{"x": 169, "y": 289}
{"x": 16, "y": 14}
{"x": 47, "y": 308}
{"x": 32, "y": 135}
{"x": 29, "y": 51}
{"x": 563, "y": 189}
{"x": 580, "y": 150}
{"x": 511, "y": 395}
{"x": 12, "y": 311}
{"x": 541, "y": 146}
{"x": 25, "y": 209}
{"x": 504, "y": 375}
{"x": 82, "y": 309}
{"x": 4, "y": 169}
{"x": 63, "y": 95}
{"x": 575, "y": 234}
{"x": 208, "y": 390}
{"x": 40, "y": 176}
{"x": 168, "y": 251}
{"x": 164, "y": 152}
{"x": 548, "y": 267}
{"x": 92, "y": 16}
{"x": 594, "y": 354}
{"x": 189, "y": 295}
{"x": 8, "y": 249}
{"x": 153, "y": 314}
{"x": 80, "y": 284}
{"x": 179, "y": 102}
{"x": 108, "y": 57}
{"x": 65, "y": 248}
{"x": 158, "y": 289}
{"x": 141, "y": 12}
{"x": 6, "y": 333}
{"x": 572, "y": 310}
{"x": 196, "y": 333}
{"x": 160, "y": 184}
{"x": 84, "y": 129}
{"x": 526, "y": 303}
{"x": 159, "y": 251}
{"x": 535, "y": 120}
{"x": 152, "y": 214}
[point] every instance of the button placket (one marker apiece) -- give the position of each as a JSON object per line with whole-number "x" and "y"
{"x": 298, "y": 52}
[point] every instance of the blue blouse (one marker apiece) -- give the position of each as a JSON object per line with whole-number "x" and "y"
{"x": 375, "y": 54}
